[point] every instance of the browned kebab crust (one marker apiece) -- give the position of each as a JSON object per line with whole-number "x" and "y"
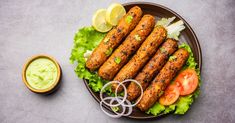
{"x": 163, "y": 79}
{"x": 144, "y": 53}
{"x": 113, "y": 39}
{"x": 152, "y": 68}
{"x": 128, "y": 47}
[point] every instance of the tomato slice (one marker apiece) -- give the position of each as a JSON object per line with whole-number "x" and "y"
{"x": 187, "y": 81}
{"x": 170, "y": 95}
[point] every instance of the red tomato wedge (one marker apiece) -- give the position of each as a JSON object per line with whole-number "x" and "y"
{"x": 187, "y": 81}
{"x": 170, "y": 95}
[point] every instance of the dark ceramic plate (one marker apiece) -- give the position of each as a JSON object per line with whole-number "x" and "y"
{"x": 187, "y": 35}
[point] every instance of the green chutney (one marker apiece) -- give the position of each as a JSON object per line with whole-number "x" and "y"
{"x": 41, "y": 73}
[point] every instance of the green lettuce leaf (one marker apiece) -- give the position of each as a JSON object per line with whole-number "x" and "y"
{"x": 183, "y": 104}
{"x": 169, "y": 109}
{"x": 173, "y": 30}
{"x": 165, "y": 21}
{"x": 156, "y": 109}
{"x": 86, "y": 38}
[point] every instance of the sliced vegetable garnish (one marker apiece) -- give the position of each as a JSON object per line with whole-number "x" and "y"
{"x": 188, "y": 81}
{"x": 109, "y": 52}
{"x": 129, "y": 19}
{"x": 106, "y": 40}
{"x": 117, "y": 60}
{"x": 163, "y": 50}
{"x": 115, "y": 108}
{"x": 170, "y": 95}
{"x": 172, "y": 58}
{"x": 117, "y": 102}
{"x": 117, "y": 114}
{"x": 114, "y": 13}
{"x": 99, "y": 21}
{"x": 137, "y": 37}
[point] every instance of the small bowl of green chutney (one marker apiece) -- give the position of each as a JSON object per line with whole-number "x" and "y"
{"x": 41, "y": 74}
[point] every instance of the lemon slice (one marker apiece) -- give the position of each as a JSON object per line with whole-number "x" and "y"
{"x": 99, "y": 21}
{"x": 114, "y": 13}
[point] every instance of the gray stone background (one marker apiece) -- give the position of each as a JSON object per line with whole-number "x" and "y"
{"x": 30, "y": 27}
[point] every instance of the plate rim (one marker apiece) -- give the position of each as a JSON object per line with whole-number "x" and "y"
{"x": 197, "y": 46}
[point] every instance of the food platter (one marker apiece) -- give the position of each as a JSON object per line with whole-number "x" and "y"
{"x": 187, "y": 35}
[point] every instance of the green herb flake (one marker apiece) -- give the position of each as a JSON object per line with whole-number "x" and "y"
{"x": 137, "y": 37}
{"x": 121, "y": 94}
{"x": 129, "y": 18}
{"x": 115, "y": 108}
{"x": 172, "y": 58}
{"x": 161, "y": 93}
{"x": 109, "y": 51}
{"x": 163, "y": 50}
{"x": 106, "y": 40}
{"x": 117, "y": 60}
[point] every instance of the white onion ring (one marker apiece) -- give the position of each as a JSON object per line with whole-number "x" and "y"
{"x": 130, "y": 108}
{"x": 116, "y": 115}
{"x": 109, "y": 83}
{"x": 120, "y": 100}
{"x": 141, "y": 89}
{"x": 124, "y": 106}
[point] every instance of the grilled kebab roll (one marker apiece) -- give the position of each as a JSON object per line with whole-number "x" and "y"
{"x": 144, "y": 53}
{"x": 114, "y": 37}
{"x": 152, "y": 68}
{"x": 158, "y": 85}
{"x": 122, "y": 54}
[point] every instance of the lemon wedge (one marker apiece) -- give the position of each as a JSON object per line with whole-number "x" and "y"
{"x": 114, "y": 13}
{"x": 99, "y": 21}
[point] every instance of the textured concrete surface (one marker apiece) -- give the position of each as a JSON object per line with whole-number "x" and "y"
{"x": 31, "y": 27}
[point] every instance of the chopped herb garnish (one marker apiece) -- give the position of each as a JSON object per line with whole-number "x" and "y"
{"x": 160, "y": 94}
{"x": 106, "y": 40}
{"x": 115, "y": 108}
{"x": 172, "y": 58}
{"x": 137, "y": 37}
{"x": 129, "y": 19}
{"x": 109, "y": 51}
{"x": 117, "y": 60}
{"x": 163, "y": 50}
{"x": 121, "y": 94}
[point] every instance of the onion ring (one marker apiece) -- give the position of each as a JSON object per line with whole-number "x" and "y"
{"x": 121, "y": 101}
{"x": 116, "y": 115}
{"x": 107, "y": 84}
{"x": 131, "y": 80}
